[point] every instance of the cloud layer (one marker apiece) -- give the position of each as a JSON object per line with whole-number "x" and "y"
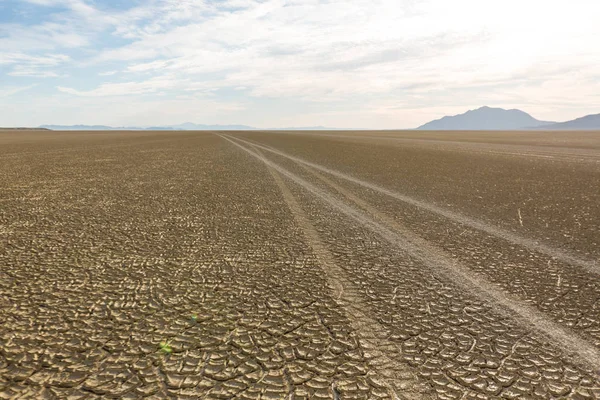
{"x": 351, "y": 63}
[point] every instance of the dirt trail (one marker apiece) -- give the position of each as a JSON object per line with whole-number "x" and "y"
{"x": 384, "y": 356}
{"x": 533, "y": 245}
{"x": 571, "y": 345}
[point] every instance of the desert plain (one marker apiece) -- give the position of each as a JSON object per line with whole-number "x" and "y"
{"x": 299, "y": 265}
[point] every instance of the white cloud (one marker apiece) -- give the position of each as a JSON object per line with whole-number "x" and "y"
{"x": 48, "y": 60}
{"x": 151, "y": 66}
{"x": 32, "y": 72}
{"x": 124, "y": 88}
{"x": 359, "y": 59}
{"x": 9, "y": 91}
{"x": 43, "y": 37}
{"x": 25, "y": 65}
{"x": 330, "y": 50}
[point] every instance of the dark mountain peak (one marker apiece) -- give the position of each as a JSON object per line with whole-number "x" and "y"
{"x": 486, "y": 118}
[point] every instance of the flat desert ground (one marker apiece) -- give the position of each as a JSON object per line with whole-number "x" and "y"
{"x": 297, "y": 265}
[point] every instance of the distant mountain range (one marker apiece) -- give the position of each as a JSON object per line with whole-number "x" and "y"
{"x": 188, "y": 126}
{"x": 22, "y": 129}
{"x": 487, "y": 118}
{"x": 481, "y": 119}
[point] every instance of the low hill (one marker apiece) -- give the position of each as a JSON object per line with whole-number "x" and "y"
{"x": 589, "y": 122}
{"x": 77, "y": 127}
{"x": 188, "y": 126}
{"x": 23, "y": 129}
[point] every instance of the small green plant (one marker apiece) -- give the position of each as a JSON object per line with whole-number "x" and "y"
{"x": 165, "y": 347}
{"x": 194, "y": 318}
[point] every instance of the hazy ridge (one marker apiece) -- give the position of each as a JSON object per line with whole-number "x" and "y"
{"x": 188, "y": 126}
{"x": 483, "y": 118}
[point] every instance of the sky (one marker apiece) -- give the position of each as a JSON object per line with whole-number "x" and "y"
{"x": 379, "y": 64}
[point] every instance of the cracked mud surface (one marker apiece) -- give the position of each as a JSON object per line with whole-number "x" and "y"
{"x": 201, "y": 265}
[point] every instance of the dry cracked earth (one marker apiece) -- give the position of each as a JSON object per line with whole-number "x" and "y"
{"x": 314, "y": 265}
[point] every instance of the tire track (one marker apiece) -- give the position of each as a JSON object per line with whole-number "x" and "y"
{"x": 571, "y": 345}
{"x": 384, "y": 357}
{"x": 532, "y": 245}
{"x": 520, "y": 150}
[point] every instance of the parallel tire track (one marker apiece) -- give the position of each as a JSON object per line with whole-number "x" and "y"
{"x": 572, "y": 346}
{"x": 384, "y": 356}
{"x": 533, "y": 245}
